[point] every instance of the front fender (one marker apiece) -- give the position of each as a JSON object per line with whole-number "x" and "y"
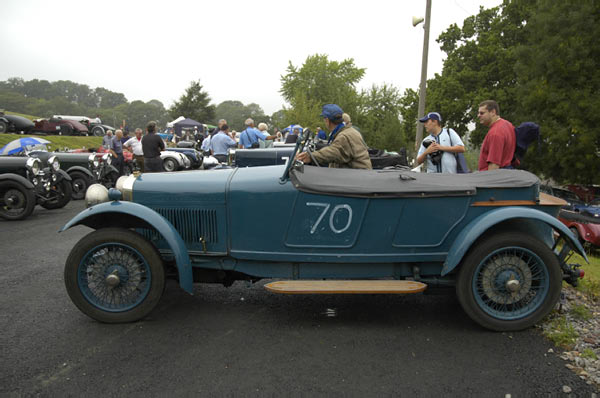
{"x": 17, "y": 178}
{"x": 81, "y": 170}
{"x": 132, "y": 215}
{"x": 478, "y": 226}
{"x": 64, "y": 174}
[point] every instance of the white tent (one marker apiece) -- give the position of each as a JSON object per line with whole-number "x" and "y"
{"x": 170, "y": 124}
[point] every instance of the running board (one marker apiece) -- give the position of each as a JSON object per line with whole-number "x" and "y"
{"x": 346, "y": 287}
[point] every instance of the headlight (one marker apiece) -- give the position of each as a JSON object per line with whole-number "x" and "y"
{"x": 33, "y": 165}
{"x": 107, "y": 158}
{"x": 96, "y": 193}
{"x": 54, "y": 163}
{"x": 93, "y": 160}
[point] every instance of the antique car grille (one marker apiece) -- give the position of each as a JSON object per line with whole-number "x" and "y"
{"x": 192, "y": 224}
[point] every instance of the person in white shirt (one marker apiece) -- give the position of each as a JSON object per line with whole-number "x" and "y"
{"x": 134, "y": 145}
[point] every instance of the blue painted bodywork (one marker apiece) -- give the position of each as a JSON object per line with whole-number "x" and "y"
{"x": 252, "y": 221}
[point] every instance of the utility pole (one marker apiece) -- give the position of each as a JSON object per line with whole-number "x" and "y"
{"x": 423, "y": 86}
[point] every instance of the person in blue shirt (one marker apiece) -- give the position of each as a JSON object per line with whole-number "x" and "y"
{"x": 220, "y": 143}
{"x": 321, "y": 134}
{"x": 250, "y": 136}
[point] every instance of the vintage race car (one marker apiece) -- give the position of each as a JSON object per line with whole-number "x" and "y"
{"x": 59, "y": 127}
{"x": 489, "y": 236}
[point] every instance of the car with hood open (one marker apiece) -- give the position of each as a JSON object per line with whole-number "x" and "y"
{"x": 489, "y": 239}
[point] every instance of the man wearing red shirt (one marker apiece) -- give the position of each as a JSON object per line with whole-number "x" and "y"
{"x": 498, "y": 146}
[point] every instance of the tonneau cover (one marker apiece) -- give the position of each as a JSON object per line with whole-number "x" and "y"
{"x": 404, "y": 183}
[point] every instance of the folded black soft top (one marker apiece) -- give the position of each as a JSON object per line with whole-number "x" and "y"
{"x": 404, "y": 183}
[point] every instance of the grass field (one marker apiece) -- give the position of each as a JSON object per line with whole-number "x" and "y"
{"x": 590, "y": 284}
{"x": 58, "y": 142}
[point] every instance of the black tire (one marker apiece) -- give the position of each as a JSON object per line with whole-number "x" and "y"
{"x": 66, "y": 129}
{"x": 98, "y": 131}
{"x": 3, "y": 127}
{"x": 110, "y": 180}
{"x": 137, "y": 265}
{"x": 170, "y": 164}
{"x": 16, "y": 201}
{"x": 483, "y": 281}
{"x": 79, "y": 184}
{"x": 62, "y": 192}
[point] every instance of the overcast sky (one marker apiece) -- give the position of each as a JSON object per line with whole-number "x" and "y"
{"x": 238, "y": 49}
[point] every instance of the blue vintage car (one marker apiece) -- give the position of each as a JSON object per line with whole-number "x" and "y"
{"x": 489, "y": 236}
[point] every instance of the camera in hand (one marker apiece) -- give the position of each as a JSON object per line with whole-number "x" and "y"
{"x": 436, "y": 157}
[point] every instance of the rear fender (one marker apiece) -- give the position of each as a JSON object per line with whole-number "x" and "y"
{"x": 133, "y": 215}
{"x": 17, "y": 178}
{"x": 481, "y": 224}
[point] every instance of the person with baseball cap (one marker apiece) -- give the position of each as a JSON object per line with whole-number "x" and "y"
{"x": 346, "y": 148}
{"x": 440, "y": 146}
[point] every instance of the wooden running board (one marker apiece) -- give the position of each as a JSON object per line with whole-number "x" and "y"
{"x": 346, "y": 287}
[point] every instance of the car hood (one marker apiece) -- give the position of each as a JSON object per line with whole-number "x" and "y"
{"x": 182, "y": 188}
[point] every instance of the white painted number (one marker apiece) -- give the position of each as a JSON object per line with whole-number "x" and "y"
{"x": 337, "y": 208}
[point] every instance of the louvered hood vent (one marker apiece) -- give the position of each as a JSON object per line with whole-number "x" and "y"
{"x": 192, "y": 224}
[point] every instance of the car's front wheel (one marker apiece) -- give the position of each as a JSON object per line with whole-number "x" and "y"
{"x": 98, "y": 131}
{"x": 114, "y": 275}
{"x": 61, "y": 193}
{"x": 509, "y": 281}
{"x": 16, "y": 201}
{"x": 79, "y": 184}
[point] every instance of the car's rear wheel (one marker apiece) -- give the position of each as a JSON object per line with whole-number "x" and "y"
{"x": 79, "y": 184}
{"x": 169, "y": 164}
{"x": 61, "y": 192}
{"x": 114, "y": 275}
{"x": 509, "y": 281}
{"x": 3, "y": 127}
{"x": 16, "y": 201}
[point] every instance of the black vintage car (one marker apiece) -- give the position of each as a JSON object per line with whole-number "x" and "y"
{"x": 26, "y": 181}
{"x": 14, "y": 124}
{"x": 192, "y": 154}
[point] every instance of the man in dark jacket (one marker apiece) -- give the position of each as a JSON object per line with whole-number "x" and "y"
{"x": 152, "y": 145}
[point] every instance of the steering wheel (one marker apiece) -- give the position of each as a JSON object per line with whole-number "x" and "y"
{"x": 307, "y": 142}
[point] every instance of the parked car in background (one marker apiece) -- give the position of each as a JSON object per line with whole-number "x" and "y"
{"x": 26, "y": 181}
{"x": 14, "y": 124}
{"x": 193, "y": 155}
{"x": 94, "y": 127}
{"x": 335, "y": 231}
{"x": 174, "y": 161}
{"x": 585, "y": 227}
{"x": 55, "y": 126}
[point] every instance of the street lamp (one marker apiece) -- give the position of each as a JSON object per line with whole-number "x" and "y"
{"x": 422, "y": 88}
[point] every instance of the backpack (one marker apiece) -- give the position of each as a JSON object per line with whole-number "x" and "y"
{"x": 525, "y": 134}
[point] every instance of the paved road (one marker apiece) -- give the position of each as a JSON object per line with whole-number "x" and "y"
{"x": 246, "y": 341}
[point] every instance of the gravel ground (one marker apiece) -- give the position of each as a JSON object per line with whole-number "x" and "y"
{"x": 578, "y": 358}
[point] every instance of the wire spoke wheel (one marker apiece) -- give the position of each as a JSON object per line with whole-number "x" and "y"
{"x": 509, "y": 281}
{"x": 14, "y": 202}
{"x": 114, "y": 275}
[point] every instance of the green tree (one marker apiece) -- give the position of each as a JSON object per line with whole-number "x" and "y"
{"x": 194, "y": 104}
{"x": 558, "y": 69}
{"x": 379, "y": 117}
{"x": 480, "y": 65}
{"x": 318, "y": 82}
{"x": 109, "y": 99}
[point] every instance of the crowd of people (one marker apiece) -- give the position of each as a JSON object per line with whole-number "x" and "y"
{"x": 343, "y": 147}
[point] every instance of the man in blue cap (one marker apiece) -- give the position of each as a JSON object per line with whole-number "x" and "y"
{"x": 347, "y": 148}
{"x": 440, "y": 146}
